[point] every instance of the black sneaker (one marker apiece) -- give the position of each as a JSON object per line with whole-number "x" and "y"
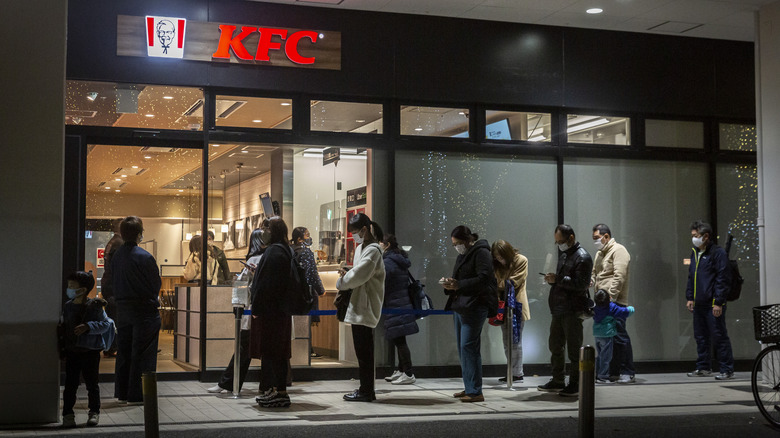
{"x": 279, "y": 400}
{"x": 570, "y": 390}
{"x": 700, "y": 373}
{"x": 551, "y": 386}
{"x": 514, "y": 379}
{"x": 724, "y": 376}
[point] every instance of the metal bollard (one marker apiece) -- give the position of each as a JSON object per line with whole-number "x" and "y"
{"x": 237, "y": 354}
{"x": 587, "y": 391}
{"x": 509, "y": 337}
{"x": 151, "y": 418}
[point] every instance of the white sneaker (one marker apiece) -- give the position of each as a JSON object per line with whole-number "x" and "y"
{"x": 624, "y": 378}
{"x": 94, "y": 419}
{"x": 216, "y": 389}
{"x": 404, "y": 380}
{"x": 396, "y": 374}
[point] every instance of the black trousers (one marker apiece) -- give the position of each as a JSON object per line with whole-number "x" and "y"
{"x": 273, "y": 374}
{"x": 404, "y": 355}
{"x": 363, "y": 338}
{"x": 226, "y": 381}
{"x": 137, "y": 339}
{"x": 77, "y": 364}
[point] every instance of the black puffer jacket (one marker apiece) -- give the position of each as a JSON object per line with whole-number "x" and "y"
{"x": 474, "y": 272}
{"x": 569, "y": 293}
{"x": 397, "y": 295}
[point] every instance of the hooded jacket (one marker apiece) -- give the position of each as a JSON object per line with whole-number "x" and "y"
{"x": 397, "y": 295}
{"x": 367, "y": 281}
{"x": 569, "y": 293}
{"x": 476, "y": 279}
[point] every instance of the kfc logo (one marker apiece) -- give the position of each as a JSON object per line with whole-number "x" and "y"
{"x": 165, "y": 36}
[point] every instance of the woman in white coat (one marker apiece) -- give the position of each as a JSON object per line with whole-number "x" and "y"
{"x": 367, "y": 281}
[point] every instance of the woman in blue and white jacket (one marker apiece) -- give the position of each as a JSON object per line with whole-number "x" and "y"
{"x": 366, "y": 279}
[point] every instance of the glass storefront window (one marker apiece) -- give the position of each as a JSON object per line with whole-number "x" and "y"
{"x": 365, "y": 118}
{"x": 510, "y": 125}
{"x": 596, "y": 129}
{"x": 674, "y": 134}
{"x": 253, "y": 112}
{"x": 434, "y": 121}
{"x": 132, "y": 105}
{"x": 737, "y": 137}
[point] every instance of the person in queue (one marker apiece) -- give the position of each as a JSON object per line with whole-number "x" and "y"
{"x": 709, "y": 281}
{"x": 398, "y": 326}
{"x": 568, "y": 300}
{"x": 257, "y": 239}
{"x": 223, "y": 272}
{"x": 509, "y": 264}
{"x": 471, "y": 289}
{"x": 366, "y": 279}
{"x": 136, "y": 288}
{"x": 271, "y": 324}
{"x": 192, "y": 267}
{"x": 301, "y": 243}
{"x": 107, "y": 281}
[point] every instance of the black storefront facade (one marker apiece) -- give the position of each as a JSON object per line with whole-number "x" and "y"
{"x": 477, "y": 67}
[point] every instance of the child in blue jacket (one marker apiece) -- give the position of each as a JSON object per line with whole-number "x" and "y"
{"x": 83, "y": 326}
{"x": 605, "y": 314}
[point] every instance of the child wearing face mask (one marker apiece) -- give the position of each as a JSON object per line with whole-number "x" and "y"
{"x": 87, "y": 332}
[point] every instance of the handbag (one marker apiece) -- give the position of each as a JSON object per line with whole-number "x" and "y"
{"x": 342, "y": 303}
{"x": 498, "y": 320}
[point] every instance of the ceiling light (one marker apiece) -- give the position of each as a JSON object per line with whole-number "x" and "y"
{"x": 418, "y": 129}
{"x": 188, "y": 236}
{"x": 168, "y": 97}
{"x": 135, "y": 167}
{"x": 108, "y": 188}
{"x": 148, "y": 157}
{"x": 118, "y": 179}
{"x": 181, "y": 190}
{"x": 215, "y": 145}
{"x": 586, "y": 125}
{"x": 91, "y": 96}
{"x": 150, "y": 115}
{"x": 225, "y": 228}
{"x": 117, "y": 190}
{"x": 322, "y": 35}
{"x": 594, "y": 11}
{"x": 124, "y": 176}
{"x": 360, "y": 121}
{"x": 245, "y": 152}
{"x": 286, "y": 104}
{"x": 257, "y": 121}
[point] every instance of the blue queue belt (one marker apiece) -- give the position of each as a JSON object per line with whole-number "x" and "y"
{"x": 384, "y": 312}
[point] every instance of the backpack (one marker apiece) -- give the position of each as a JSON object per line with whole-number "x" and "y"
{"x": 735, "y": 288}
{"x": 301, "y": 296}
{"x": 420, "y": 300}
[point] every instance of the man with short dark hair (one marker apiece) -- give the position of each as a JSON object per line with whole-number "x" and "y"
{"x": 568, "y": 299}
{"x": 709, "y": 281}
{"x": 610, "y": 273}
{"x": 136, "y": 288}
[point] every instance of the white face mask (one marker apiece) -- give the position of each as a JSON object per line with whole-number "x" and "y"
{"x": 563, "y": 246}
{"x": 461, "y": 248}
{"x": 599, "y": 244}
{"x": 697, "y": 241}
{"x": 358, "y": 239}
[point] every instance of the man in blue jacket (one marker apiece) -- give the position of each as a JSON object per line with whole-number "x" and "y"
{"x": 136, "y": 288}
{"x": 708, "y": 286}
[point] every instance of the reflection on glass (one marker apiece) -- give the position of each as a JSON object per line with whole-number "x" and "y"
{"x": 737, "y": 212}
{"x": 736, "y": 137}
{"x": 598, "y": 129}
{"x": 510, "y": 125}
{"x": 435, "y": 121}
{"x": 133, "y": 105}
{"x": 331, "y": 116}
{"x": 654, "y": 226}
{"x": 254, "y": 112}
{"x": 674, "y": 134}
{"x": 443, "y": 190}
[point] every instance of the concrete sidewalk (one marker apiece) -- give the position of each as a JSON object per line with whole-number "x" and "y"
{"x": 658, "y": 404}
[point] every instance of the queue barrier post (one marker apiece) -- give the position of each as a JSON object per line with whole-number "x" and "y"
{"x": 587, "y": 391}
{"x": 508, "y": 339}
{"x": 151, "y": 416}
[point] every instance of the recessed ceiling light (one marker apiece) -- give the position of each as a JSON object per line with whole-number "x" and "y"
{"x": 108, "y": 188}
{"x": 118, "y": 179}
{"x": 215, "y": 145}
{"x": 124, "y": 176}
{"x": 150, "y": 115}
{"x": 181, "y": 190}
{"x": 360, "y": 121}
{"x": 244, "y": 152}
{"x": 418, "y": 129}
{"x": 117, "y": 190}
{"x": 148, "y": 157}
{"x": 135, "y": 167}
{"x": 168, "y": 97}
{"x": 257, "y": 121}
{"x": 594, "y": 11}
{"x": 286, "y": 104}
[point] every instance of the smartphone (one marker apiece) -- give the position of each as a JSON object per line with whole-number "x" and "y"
{"x": 542, "y": 274}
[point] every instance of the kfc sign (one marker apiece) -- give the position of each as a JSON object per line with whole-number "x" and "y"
{"x": 165, "y": 36}
{"x": 170, "y": 37}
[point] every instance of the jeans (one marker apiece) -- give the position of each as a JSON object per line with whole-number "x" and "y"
{"x": 468, "y": 330}
{"x": 363, "y": 338}
{"x": 226, "y": 381}
{"x": 565, "y": 336}
{"x": 709, "y": 332}
{"x": 517, "y": 349}
{"x": 404, "y": 355}
{"x": 137, "y": 338}
{"x": 623, "y": 354}
{"x": 604, "y": 350}
{"x": 77, "y": 364}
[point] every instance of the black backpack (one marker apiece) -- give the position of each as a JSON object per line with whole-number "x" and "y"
{"x": 735, "y": 289}
{"x": 301, "y": 296}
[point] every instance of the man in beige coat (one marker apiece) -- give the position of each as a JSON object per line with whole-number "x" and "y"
{"x": 610, "y": 273}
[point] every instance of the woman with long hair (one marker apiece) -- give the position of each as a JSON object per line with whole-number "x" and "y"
{"x": 301, "y": 245}
{"x": 510, "y": 265}
{"x": 192, "y": 268}
{"x": 271, "y": 324}
{"x": 398, "y": 327}
{"x": 366, "y": 279}
{"x": 471, "y": 290}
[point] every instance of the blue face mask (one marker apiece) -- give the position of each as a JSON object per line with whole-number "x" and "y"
{"x": 307, "y": 241}
{"x": 71, "y": 293}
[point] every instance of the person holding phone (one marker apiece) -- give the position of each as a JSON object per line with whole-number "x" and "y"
{"x": 472, "y": 293}
{"x": 366, "y": 279}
